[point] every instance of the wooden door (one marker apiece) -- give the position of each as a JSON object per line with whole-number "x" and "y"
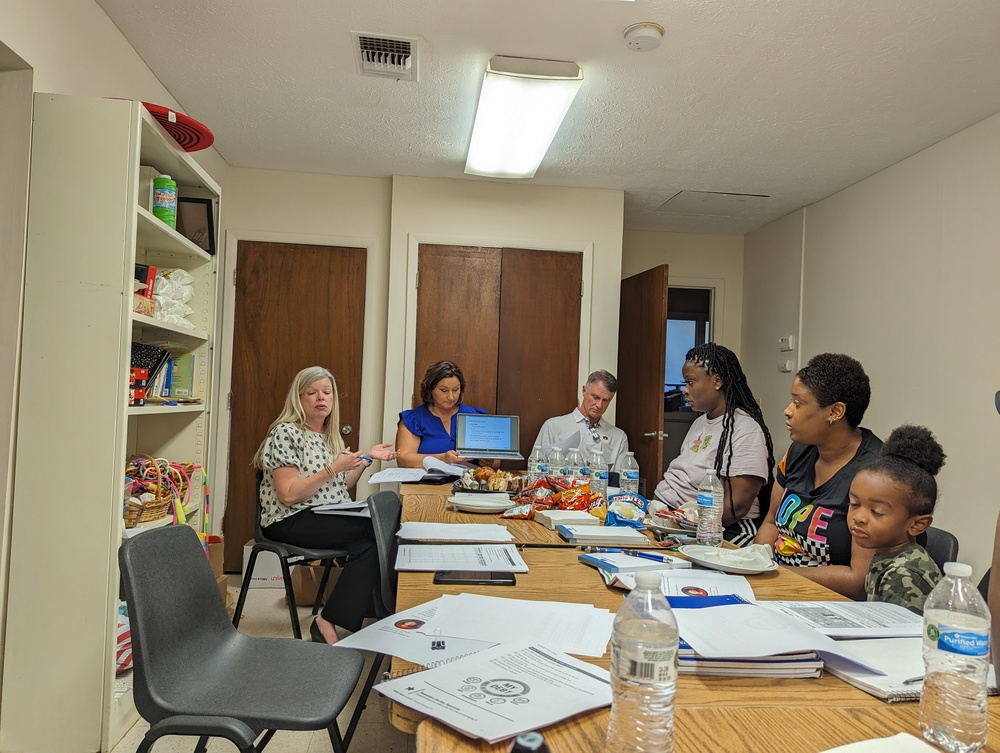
{"x": 511, "y": 319}
{"x": 537, "y": 373}
{"x": 296, "y": 306}
{"x": 642, "y": 339}
{"x": 458, "y": 310}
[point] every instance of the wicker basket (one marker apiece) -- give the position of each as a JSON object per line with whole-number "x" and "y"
{"x": 149, "y": 476}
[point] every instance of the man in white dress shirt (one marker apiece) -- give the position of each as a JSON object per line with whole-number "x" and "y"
{"x": 584, "y": 428}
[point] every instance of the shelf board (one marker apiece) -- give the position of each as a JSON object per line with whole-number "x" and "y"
{"x": 154, "y": 409}
{"x": 165, "y": 327}
{"x": 157, "y": 237}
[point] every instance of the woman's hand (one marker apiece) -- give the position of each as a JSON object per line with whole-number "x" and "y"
{"x": 451, "y": 457}
{"x": 383, "y": 452}
{"x": 347, "y": 461}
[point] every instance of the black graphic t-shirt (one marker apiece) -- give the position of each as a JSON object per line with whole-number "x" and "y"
{"x": 811, "y": 520}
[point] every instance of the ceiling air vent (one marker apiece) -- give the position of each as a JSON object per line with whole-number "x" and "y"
{"x": 390, "y": 57}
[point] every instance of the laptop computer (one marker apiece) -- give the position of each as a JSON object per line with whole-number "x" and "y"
{"x": 480, "y": 435}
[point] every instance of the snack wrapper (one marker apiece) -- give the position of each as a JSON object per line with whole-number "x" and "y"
{"x": 521, "y": 512}
{"x": 628, "y": 506}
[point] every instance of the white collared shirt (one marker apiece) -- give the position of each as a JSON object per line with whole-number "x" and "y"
{"x": 573, "y": 430}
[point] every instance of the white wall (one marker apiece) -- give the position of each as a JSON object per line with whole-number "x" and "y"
{"x": 285, "y": 207}
{"x": 502, "y": 214}
{"x": 772, "y": 280}
{"x": 902, "y": 272}
{"x": 695, "y": 261}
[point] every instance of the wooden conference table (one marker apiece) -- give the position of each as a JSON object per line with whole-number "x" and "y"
{"x": 712, "y": 713}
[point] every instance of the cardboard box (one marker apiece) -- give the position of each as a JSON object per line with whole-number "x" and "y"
{"x": 267, "y": 570}
{"x": 216, "y": 553}
{"x": 306, "y": 579}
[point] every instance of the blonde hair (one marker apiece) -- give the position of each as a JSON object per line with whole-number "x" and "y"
{"x": 292, "y": 413}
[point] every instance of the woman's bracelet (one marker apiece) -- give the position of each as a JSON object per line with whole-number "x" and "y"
{"x": 330, "y": 471}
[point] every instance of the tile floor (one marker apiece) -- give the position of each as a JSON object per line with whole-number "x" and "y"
{"x": 265, "y": 614}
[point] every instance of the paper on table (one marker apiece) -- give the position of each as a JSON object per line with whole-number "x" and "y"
{"x": 853, "y": 619}
{"x": 749, "y": 630}
{"x": 697, "y": 583}
{"x": 397, "y": 475}
{"x": 504, "y": 690}
{"x": 403, "y": 635}
{"x": 419, "y": 531}
{"x": 347, "y": 505}
{"x": 364, "y": 512}
{"x": 479, "y": 557}
{"x": 574, "y": 628}
{"x": 901, "y": 743}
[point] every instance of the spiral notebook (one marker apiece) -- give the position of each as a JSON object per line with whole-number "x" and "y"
{"x": 902, "y": 661}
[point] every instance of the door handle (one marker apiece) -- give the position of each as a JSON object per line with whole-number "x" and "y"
{"x": 656, "y": 434}
{"x": 346, "y": 429}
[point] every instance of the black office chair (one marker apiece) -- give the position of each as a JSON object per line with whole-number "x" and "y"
{"x": 940, "y": 545}
{"x": 288, "y": 554}
{"x": 196, "y": 675}
{"x": 984, "y": 585}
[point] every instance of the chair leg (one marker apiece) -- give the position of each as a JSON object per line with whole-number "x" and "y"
{"x": 322, "y": 587}
{"x": 293, "y": 612}
{"x": 339, "y": 746}
{"x": 262, "y": 743}
{"x": 202, "y": 745}
{"x": 363, "y": 698}
{"x": 245, "y": 587}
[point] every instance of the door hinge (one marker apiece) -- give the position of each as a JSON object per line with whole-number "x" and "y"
{"x": 581, "y": 287}
{"x": 234, "y": 278}
{"x": 229, "y": 401}
{"x": 416, "y": 281}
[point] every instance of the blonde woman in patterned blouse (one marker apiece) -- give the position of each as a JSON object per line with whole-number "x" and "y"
{"x": 305, "y": 464}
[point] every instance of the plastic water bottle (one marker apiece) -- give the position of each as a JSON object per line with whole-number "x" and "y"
{"x": 629, "y": 475}
{"x": 598, "y": 473}
{"x": 953, "y": 712}
{"x": 643, "y": 671}
{"x": 710, "y": 495}
{"x": 536, "y": 464}
{"x": 574, "y": 463}
{"x": 529, "y": 742}
{"x": 556, "y": 462}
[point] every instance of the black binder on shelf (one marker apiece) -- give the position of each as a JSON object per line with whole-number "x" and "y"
{"x": 148, "y": 357}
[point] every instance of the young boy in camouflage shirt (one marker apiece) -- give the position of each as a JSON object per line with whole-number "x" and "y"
{"x": 891, "y": 503}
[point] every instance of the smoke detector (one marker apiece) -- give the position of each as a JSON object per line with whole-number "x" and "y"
{"x": 643, "y": 37}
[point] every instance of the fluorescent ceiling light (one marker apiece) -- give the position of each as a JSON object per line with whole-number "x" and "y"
{"x": 521, "y": 106}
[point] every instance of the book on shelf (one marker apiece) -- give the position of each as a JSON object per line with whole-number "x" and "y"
{"x": 621, "y": 562}
{"x": 902, "y": 661}
{"x": 145, "y": 274}
{"x": 183, "y": 377}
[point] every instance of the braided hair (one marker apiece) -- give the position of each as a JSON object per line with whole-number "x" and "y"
{"x": 722, "y": 362}
{"x": 912, "y": 456}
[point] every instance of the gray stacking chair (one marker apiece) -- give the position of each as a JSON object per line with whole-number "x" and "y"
{"x": 287, "y": 553}
{"x": 197, "y": 675}
{"x": 941, "y": 545}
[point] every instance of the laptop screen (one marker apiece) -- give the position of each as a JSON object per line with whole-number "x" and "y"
{"x": 478, "y": 431}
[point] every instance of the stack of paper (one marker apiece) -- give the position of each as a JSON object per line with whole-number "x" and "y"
{"x": 552, "y": 518}
{"x": 479, "y": 557}
{"x": 415, "y": 531}
{"x": 853, "y": 619}
{"x": 601, "y": 535}
{"x": 623, "y": 562}
{"x": 433, "y": 470}
{"x": 726, "y": 637}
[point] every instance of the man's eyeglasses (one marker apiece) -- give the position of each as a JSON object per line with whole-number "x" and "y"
{"x": 595, "y": 434}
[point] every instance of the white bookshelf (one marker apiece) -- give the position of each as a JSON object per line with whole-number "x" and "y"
{"x": 86, "y": 231}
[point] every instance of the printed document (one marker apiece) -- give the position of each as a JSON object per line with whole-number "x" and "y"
{"x": 578, "y": 629}
{"x": 696, "y": 583}
{"x": 853, "y": 619}
{"x": 504, "y": 691}
{"x": 418, "y": 531}
{"x": 404, "y": 634}
{"x": 433, "y": 468}
{"x": 478, "y": 557}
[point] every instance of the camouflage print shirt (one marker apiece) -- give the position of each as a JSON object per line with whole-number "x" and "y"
{"x": 904, "y": 577}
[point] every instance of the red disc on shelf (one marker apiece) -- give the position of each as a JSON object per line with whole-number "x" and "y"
{"x": 188, "y": 132}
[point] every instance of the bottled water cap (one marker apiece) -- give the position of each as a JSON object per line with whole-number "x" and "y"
{"x": 958, "y": 569}
{"x": 648, "y": 579}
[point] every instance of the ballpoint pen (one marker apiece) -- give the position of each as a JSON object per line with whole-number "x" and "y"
{"x": 604, "y": 549}
{"x": 646, "y": 555}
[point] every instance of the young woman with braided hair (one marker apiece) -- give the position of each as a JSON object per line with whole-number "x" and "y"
{"x": 715, "y": 386}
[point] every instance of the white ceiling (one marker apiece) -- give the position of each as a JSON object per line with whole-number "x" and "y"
{"x": 794, "y": 99}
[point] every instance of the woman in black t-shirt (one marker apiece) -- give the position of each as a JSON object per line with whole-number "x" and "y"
{"x": 807, "y": 522}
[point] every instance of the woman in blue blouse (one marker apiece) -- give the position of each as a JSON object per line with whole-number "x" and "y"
{"x": 429, "y": 429}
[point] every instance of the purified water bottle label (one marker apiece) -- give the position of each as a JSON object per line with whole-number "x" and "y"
{"x": 647, "y": 665}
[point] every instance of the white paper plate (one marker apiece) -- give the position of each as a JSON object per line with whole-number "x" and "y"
{"x": 699, "y": 553}
{"x": 484, "y": 506}
{"x": 662, "y": 524}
